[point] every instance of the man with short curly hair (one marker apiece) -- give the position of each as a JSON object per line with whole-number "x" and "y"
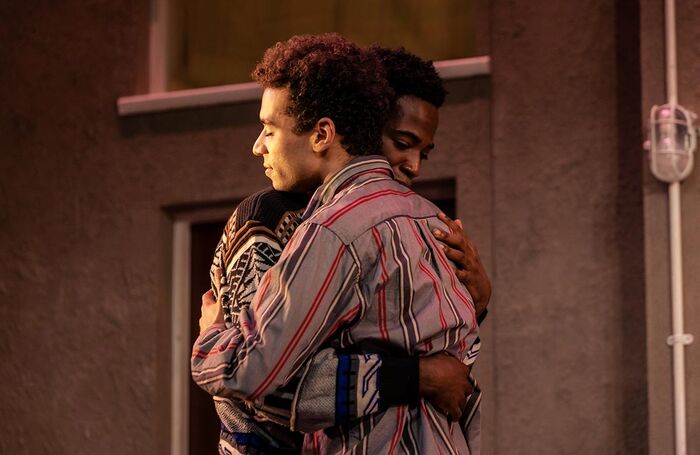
{"x": 329, "y": 77}
{"x": 363, "y": 265}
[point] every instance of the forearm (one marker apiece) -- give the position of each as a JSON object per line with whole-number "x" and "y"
{"x": 338, "y": 388}
{"x": 215, "y": 356}
{"x": 287, "y": 321}
{"x": 241, "y": 362}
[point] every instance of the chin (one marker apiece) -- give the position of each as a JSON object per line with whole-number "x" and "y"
{"x": 405, "y": 181}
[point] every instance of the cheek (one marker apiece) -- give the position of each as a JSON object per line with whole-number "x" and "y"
{"x": 276, "y": 149}
{"x": 392, "y": 155}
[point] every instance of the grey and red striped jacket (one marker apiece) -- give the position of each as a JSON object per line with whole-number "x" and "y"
{"x": 363, "y": 267}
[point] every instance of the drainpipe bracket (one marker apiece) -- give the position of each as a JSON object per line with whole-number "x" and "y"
{"x": 684, "y": 339}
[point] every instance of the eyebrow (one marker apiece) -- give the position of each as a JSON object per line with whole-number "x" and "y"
{"x": 267, "y": 121}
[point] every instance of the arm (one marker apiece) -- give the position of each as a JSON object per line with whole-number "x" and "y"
{"x": 320, "y": 395}
{"x": 443, "y": 379}
{"x": 461, "y": 251}
{"x": 396, "y": 382}
{"x": 333, "y": 386}
{"x": 328, "y": 381}
{"x": 287, "y": 321}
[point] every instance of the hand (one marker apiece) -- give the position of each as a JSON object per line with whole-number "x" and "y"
{"x": 467, "y": 265}
{"x": 216, "y": 280}
{"x": 212, "y": 312}
{"x": 444, "y": 382}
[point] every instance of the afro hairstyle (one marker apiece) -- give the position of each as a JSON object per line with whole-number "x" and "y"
{"x": 328, "y": 76}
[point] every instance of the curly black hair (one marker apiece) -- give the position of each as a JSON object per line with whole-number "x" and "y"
{"x": 410, "y": 75}
{"x": 328, "y": 76}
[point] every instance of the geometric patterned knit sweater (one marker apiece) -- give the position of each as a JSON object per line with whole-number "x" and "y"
{"x": 251, "y": 243}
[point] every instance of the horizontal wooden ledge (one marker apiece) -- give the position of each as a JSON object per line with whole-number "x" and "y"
{"x": 250, "y": 91}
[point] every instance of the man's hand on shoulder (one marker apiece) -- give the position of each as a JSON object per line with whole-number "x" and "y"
{"x": 212, "y": 312}
{"x": 444, "y": 382}
{"x": 467, "y": 265}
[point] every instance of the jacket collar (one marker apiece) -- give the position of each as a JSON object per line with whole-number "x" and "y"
{"x": 357, "y": 170}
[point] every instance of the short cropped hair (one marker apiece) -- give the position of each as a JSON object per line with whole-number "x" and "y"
{"x": 410, "y": 75}
{"x": 328, "y": 76}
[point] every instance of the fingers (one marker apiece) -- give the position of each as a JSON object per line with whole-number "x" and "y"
{"x": 455, "y": 407}
{"x": 208, "y": 298}
{"x": 464, "y": 257}
{"x": 456, "y": 237}
{"x": 456, "y": 256}
{"x": 211, "y": 311}
{"x": 454, "y": 225}
{"x": 462, "y": 276}
{"x": 450, "y": 239}
{"x": 447, "y": 220}
{"x": 217, "y": 277}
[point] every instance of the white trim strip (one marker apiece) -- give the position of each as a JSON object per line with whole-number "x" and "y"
{"x": 250, "y": 91}
{"x": 464, "y": 67}
{"x": 180, "y": 341}
{"x": 181, "y": 99}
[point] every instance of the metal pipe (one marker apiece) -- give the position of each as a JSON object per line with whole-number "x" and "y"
{"x": 671, "y": 73}
{"x": 677, "y": 339}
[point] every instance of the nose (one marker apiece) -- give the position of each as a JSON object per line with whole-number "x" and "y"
{"x": 411, "y": 165}
{"x": 258, "y": 147}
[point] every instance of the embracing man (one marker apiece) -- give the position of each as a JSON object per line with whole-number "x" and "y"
{"x": 363, "y": 268}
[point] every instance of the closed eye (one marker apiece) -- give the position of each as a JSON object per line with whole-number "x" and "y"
{"x": 401, "y": 145}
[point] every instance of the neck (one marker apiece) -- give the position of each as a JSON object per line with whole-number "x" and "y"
{"x": 335, "y": 163}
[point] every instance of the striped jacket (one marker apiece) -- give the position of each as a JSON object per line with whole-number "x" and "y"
{"x": 362, "y": 267}
{"x": 252, "y": 242}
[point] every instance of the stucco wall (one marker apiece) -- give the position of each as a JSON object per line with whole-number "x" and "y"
{"x": 551, "y": 183}
{"x": 567, "y": 238}
{"x": 85, "y": 242}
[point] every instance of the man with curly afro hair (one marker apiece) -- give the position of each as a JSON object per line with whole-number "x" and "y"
{"x": 362, "y": 270}
{"x": 325, "y": 77}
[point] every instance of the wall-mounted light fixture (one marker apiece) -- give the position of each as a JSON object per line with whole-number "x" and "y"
{"x": 672, "y": 142}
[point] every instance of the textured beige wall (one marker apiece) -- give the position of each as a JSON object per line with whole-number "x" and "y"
{"x": 84, "y": 240}
{"x": 567, "y": 230}
{"x": 551, "y": 184}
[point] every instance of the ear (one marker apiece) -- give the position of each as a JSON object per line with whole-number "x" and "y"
{"x": 323, "y": 135}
